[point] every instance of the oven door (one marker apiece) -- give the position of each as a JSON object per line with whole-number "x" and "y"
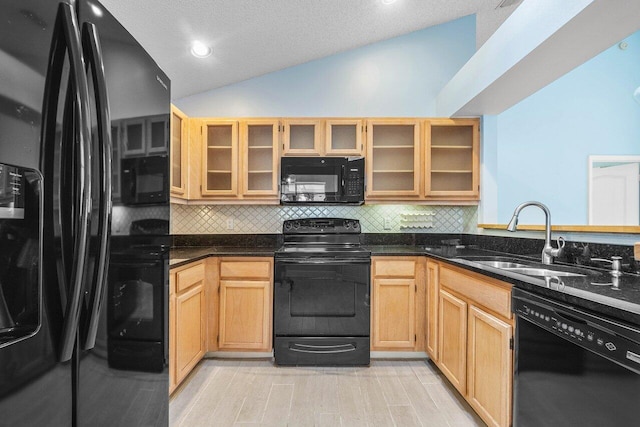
{"x": 322, "y": 297}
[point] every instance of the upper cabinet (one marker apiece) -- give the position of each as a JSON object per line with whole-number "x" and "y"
{"x": 239, "y": 159}
{"x": 259, "y": 154}
{"x": 451, "y": 154}
{"x": 343, "y": 137}
{"x": 323, "y": 137}
{"x": 219, "y": 158}
{"x": 302, "y": 137}
{"x": 179, "y": 150}
{"x": 393, "y": 159}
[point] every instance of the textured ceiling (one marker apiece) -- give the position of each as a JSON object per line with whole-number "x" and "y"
{"x": 255, "y": 37}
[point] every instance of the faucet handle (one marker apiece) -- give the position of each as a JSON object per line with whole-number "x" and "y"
{"x": 561, "y": 242}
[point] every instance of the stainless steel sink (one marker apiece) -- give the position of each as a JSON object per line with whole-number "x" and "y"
{"x": 502, "y": 264}
{"x": 527, "y": 267}
{"x": 542, "y": 272}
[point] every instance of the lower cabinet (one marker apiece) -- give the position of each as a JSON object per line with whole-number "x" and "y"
{"x": 475, "y": 332}
{"x": 432, "y": 295}
{"x": 246, "y": 301}
{"x": 397, "y": 303}
{"x": 187, "y": 327}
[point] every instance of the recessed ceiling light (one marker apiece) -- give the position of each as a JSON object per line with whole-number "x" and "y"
{"x": 200, "y": 50}
{"x": 96, "y": 10}
{"x": 388, "y": 1}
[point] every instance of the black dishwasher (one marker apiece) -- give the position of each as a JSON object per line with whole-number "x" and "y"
{"x": 573, "y": 367}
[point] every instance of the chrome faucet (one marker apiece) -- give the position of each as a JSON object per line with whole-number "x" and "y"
{"x": 548, "y": 252}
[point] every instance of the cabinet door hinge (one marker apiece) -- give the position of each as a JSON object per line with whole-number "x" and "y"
{"x": 511, "y": 343}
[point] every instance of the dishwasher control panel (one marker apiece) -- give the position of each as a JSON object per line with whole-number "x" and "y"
{"x": 579, "y": 329}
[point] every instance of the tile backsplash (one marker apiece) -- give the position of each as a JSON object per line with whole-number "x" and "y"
{"x": 265, "y": 219}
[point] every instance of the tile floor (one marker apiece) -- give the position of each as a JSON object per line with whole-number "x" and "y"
{"x": 399, "y": 393}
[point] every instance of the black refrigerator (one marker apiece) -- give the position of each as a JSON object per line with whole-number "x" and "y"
{"x": 84, "y": 220}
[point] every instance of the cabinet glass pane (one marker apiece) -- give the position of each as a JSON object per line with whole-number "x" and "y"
{"x": 176, "y": 152}
{"x": 393, "y": 135}
{"x": 218, "y": 181}
{"x": 452, "y": 135}
{"x": 302, "y": 137}
{"x": 158, "y": 135}
{"x": 451, "y": 159}
{"x": 392, "y": 181}
{"x": 219, "y": 136}
{"x": 393, "y": 159}
{"x": 260, "y": 182}
{"x": 135, "y": 135}
{"x": 260, "y": 135}
{"x": 260, "y": 160}
{"x": 219, "y": 159}
{"x": 451, "y": 181}
{"x": 343, "y": 137}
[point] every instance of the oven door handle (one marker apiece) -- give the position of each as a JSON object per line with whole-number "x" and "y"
{"x": 316, "y": 261}
{"x": 322, "y": 349}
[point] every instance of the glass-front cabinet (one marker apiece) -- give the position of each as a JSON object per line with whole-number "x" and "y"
{"x": 259, "y": 152}
{"x": 451, "y": 158}
{"x": 393, "y": 159}
{"x": 219, "y": 158}
{"x": 179, "y": 152}
{"x": 343, "y": 137}
{"x": 302, "y": 137}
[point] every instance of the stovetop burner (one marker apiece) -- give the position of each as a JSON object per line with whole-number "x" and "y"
{"x": 324, "y": 237}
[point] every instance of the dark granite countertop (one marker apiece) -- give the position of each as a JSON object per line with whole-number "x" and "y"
{"x": 592, "y": 292}
{"x": 186, "y": 254}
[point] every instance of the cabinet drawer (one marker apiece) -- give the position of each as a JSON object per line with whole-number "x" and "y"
{"x": 494, "y": 296}
{"x": 189, "y": 277}
{"x": 395, "y": 268}
{"x": 248, "y": 269}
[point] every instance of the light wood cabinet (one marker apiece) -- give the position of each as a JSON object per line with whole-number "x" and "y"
{"x": 259, "y": 154}
{"x": 489, "y": 367}
{"x": 239, "y": 159}
{"x": 452, "y": 158}
{"x": 219, "y": 158}
{"x": 246, "y": 300}
{"x": 179, "y": 152}
{"x": 302, "y": 137}
{"x": 432, "y": 295}
{"x": 397, "y": 309}
{"x": 475, "y": 335}
{"x": 452, "y": 334}
{"x": 187, "y": 320}
{"x": 393, "y": 159}
{"x": 343, "y": 137}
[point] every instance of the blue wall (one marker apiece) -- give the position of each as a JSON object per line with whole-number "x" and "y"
{"x": 396, "y": 77}
{"x": 543, "y": 142}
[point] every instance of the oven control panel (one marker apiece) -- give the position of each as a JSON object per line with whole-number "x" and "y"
{"x": 321, "y": 226}
{"x": 592, "y": 335}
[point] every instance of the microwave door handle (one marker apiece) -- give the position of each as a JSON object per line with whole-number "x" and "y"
{"x": 66, "y": 38}
{"x": 93, "y": 51}
{"x": 342, "y": 187}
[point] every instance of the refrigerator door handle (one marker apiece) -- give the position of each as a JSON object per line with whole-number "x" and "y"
{"x": 93, "y": 53}
{"x": 66, "y": 39}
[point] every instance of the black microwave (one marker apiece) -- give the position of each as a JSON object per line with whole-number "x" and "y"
{"x": 145, "y": 180}
{"x": 322, "y": 180}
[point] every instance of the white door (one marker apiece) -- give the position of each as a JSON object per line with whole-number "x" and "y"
{"x": 614, "y": 197}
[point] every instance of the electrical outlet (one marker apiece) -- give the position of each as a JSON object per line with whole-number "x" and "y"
{"x": 387, "y": 223}
{"x": 230, "y": 224}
